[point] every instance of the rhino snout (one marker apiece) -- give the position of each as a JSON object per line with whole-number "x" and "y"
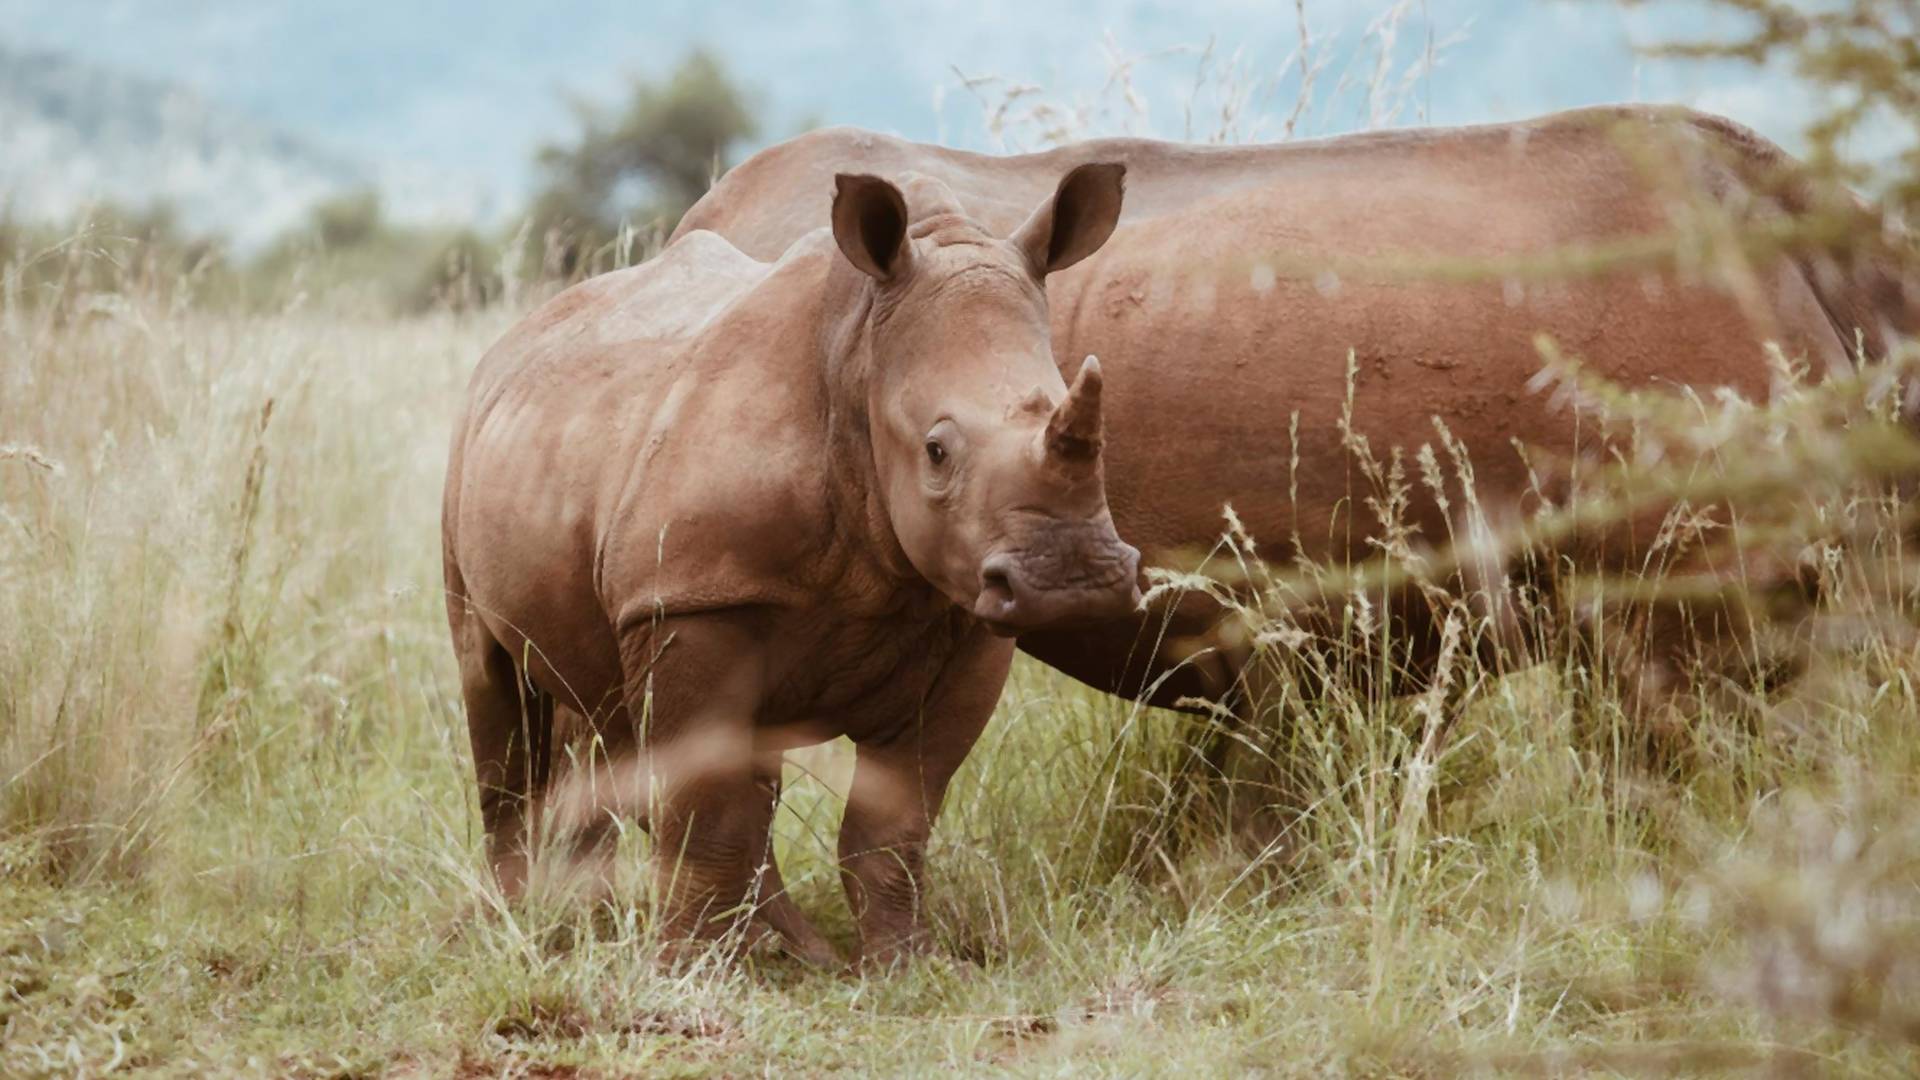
{"x": 1031, "y": 588}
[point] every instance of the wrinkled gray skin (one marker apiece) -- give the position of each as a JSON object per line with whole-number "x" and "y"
{"x": 708, "y": 509}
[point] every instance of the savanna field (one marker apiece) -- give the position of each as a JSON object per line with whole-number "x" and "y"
{"x": 239, "y": 832}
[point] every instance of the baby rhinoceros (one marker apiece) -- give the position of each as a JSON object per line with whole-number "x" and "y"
{"x": 708, "y": 509}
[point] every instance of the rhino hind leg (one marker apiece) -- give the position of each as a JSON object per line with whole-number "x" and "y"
{"x": 1664, "y": 667}
{"x": 510, "y": 728}
{"x": 580, "y": 821}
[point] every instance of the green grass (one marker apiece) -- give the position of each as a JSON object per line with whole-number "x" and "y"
{"x": 238, "y": 833}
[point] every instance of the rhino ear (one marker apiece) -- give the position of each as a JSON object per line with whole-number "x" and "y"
{"x": 1077, "y": 220}
{"x": 870, "y": 225}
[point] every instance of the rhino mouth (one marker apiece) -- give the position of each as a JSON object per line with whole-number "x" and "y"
{"x": 1020, "y": 592}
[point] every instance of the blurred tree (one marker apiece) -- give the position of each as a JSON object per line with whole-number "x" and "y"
{"x": 463, "y": 275}
{"x": 348, "y": 220}
{"x": 351, "y": 254}
{"x": 642, "y": 167}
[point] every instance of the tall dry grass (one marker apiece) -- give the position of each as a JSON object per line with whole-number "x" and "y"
{"x": 211, "y": 523}
{"x": 1208, "y": 92}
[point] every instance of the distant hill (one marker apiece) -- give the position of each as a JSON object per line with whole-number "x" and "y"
{"x": 72, "y": 134}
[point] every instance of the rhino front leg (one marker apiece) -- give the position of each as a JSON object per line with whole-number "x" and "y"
{"x": 702, "y": 866}
{"x": 694, "y": 684}
{"x": 777, "y": 911}
{"x": 899, "y": 782}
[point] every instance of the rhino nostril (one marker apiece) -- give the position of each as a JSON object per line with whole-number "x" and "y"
{"x": 997, "y": 602}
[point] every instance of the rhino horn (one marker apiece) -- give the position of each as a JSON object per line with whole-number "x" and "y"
{"x": 1074, "y": 432}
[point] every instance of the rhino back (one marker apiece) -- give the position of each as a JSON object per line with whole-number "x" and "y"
{"x": 783, "y": 192}
{"x": 649, "y": 420}
{"x": 777, "y": 195}
{"x": 1217, "y": 323}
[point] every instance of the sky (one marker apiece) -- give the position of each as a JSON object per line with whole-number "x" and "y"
{"x": 463, "y": 92}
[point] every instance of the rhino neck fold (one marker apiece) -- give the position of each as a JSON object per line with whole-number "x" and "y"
{"x": 854, "y": 493}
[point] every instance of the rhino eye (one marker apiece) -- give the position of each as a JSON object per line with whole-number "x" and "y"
{"x": 935, "y": 452}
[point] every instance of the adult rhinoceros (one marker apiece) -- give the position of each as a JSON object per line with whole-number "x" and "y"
{"x": 715, "y": 508}
{"x": 1243, "y": 278}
